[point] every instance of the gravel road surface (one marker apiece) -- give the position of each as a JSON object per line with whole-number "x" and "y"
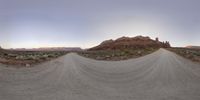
{"x": 162, "y": 75}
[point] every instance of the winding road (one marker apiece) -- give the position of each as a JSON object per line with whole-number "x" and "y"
{"x": 162, "y": 75}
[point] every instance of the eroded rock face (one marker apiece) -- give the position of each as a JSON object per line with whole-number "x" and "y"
{"x": 131, "y": 43}
{"x": 107, "y": 42}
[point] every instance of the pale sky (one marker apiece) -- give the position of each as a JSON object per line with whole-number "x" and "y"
{"x": 86, "y": 23}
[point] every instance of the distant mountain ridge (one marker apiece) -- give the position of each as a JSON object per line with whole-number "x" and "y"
{"x": 193, "y": 47}
{"x": 50, "y": 49}
{"x": 131, "y": 43}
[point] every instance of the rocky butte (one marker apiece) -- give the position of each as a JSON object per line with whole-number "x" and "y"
{"x": 138, "y": 42}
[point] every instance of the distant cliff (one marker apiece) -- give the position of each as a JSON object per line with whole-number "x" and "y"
{"x": 137, "y": 42}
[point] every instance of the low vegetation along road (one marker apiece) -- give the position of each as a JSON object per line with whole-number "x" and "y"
{"x": 162, "y": 75}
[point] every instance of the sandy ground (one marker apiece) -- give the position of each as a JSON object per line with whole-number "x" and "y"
{"x": 162, "y": 75}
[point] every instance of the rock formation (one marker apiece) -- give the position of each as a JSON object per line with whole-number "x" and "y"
{"x": 138, "y": 42}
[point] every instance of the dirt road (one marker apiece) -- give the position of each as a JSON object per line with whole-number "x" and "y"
{"x": 159, "y": 76}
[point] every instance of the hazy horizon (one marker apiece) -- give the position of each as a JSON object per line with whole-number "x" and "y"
{"x": 74, "y": 23}
{"x": 57, "y": 46}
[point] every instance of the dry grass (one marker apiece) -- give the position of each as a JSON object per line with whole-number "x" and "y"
{"x": 192, "y": 54}
{"x": 116, "y": 55}
{"x": 27, "y": 58}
